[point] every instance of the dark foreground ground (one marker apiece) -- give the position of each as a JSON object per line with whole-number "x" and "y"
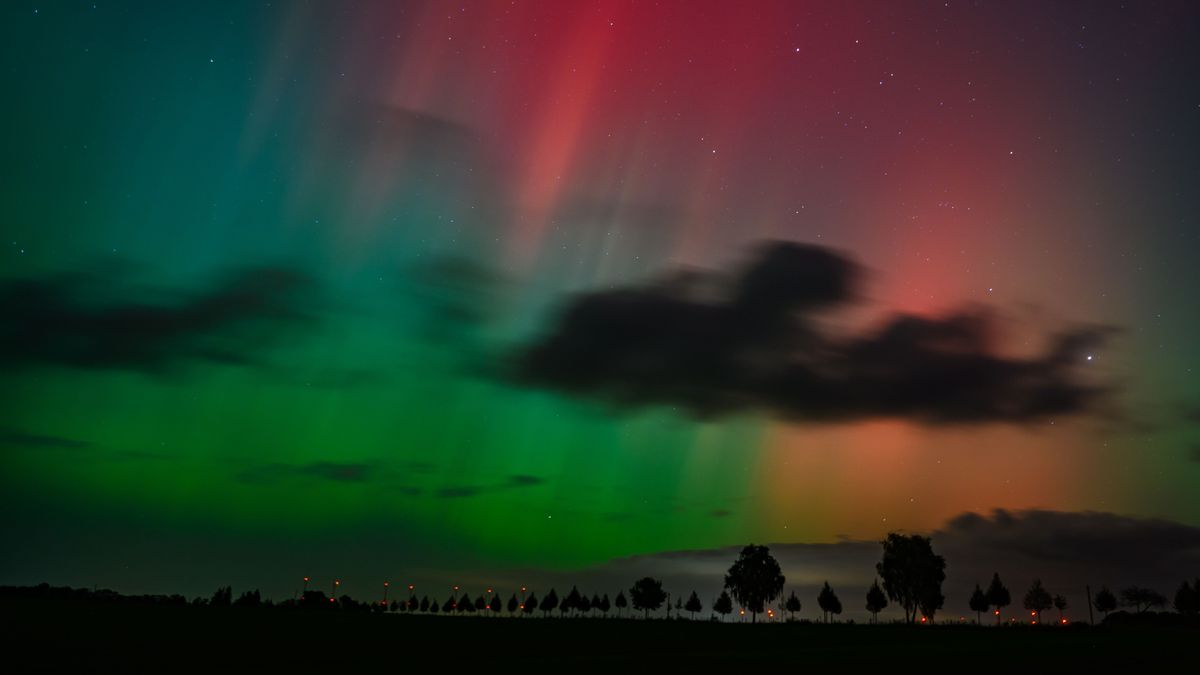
{"x": 81, "y": 639}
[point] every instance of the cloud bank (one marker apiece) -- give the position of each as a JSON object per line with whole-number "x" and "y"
{"x": 715, "y": 345}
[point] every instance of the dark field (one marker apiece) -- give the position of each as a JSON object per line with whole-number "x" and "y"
{"x": 45, "y": 637}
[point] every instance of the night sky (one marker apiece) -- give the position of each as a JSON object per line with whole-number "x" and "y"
{"x": 441, "y": 291}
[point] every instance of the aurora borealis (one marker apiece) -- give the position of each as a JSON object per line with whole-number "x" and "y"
{"x": 270, "y": 270}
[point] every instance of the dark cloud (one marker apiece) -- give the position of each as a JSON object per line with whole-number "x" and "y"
{"x": 715, "y": 345}
{"x": 513, "y": 482}
{"x": 98, "y": 323}
{"x": 15, "y": 438}
{"x": 331, "y": 471}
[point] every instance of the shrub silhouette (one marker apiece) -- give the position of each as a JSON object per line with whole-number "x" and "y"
{"x": 513, "y": 604}
{"x": 531, "y": 604}
{"x": 494, "y": 605}
{"x": 647, "y": 595}
{"x": 604, "y": 605}
{"x": 754, "y": 579}
{"x": 621, "y": 603}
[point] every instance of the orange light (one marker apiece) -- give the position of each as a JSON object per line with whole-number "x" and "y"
{"x": 1064, "y": 620}
{"x": 387, "y": 583}
{"x": 997, "y": 612}
{"x": 410, "y": 587}
{"x": 923, "y": 619}
{"x": 306, "y": 578}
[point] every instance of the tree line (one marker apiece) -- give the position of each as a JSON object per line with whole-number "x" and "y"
{"x": 909, "y": 573}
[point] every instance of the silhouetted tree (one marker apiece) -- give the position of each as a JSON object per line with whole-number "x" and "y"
{"x": 315, "y": 600}
{"x": 249, "y": 599}
{"x": 621, "y": 603}
{"x": 647, "y": 595}
{"x": 723, "y": 605}
{"x": 584, "y": 605}
{"x": 424, "y": 603}
{"x": 464, "y": 604}
{"x": 222, "y": 597}
{"x": 1105, "y": 601}
{"x": 693, "y": 604}
{"x": 513, "y": 604}
{"x": 998, "y": 595}
{"x": 979, "y": 603}
{"x": 604, "y": 605}
{"x": 930, "y": 602}
{"x": 1060, "y": 603}
{"x": 481, "y": 603}
{"x": 1187, "y": 598}
{"x": 595, "y": 602}
{"x": 450, "y": 604}
{"x": 876, "y": 601}
{"x": 549, "y": 603}
{"x": 413, "y": 604}
{"x": 828, "y": 601}
{"x": 1141, "y": 599}
{"x": 571, "y": 601}
{"x": 792, "y": 605}
{"x": 754, "y": 579}
{"x": 912, "y": 574}
{"x": 494, "y": 605}
{"x": 433, "y": 608}
{"x": 531, "y": 604}
{"x": 1037, "y": 599}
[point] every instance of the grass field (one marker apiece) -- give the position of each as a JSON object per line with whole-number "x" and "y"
{"x": 99, "y": 638}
